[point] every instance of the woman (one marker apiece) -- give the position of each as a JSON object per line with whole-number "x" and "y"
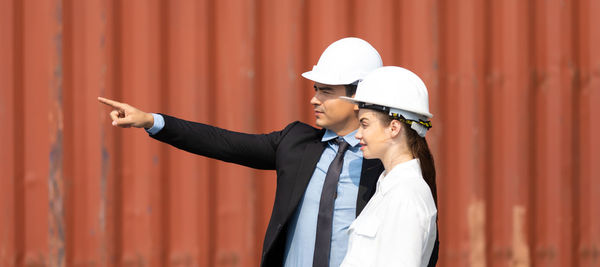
{"x": 398, "y": 225}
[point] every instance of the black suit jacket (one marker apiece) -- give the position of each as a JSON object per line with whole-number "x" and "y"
{"x": 292, "y": 152}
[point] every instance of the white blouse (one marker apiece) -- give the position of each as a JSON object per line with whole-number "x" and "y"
{"x": 398, "y": 225}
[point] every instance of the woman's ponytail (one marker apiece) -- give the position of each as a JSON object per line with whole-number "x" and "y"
{"x": 419, "y": 148}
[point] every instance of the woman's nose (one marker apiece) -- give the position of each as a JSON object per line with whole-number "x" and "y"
{"x": 358, "y": 135}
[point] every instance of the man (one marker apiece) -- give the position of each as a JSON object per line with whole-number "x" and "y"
{"x": 319, "y": 191}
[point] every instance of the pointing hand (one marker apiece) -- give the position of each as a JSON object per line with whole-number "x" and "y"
{"x": 125, "y": 116}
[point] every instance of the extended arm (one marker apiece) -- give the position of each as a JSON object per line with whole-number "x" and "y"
{"x": 252, "y": 150}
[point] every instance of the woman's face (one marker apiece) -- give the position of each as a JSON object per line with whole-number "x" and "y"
{"x": 374, "y": 136}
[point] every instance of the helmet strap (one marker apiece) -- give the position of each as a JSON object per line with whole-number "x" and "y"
{"x": 415, "y": 121}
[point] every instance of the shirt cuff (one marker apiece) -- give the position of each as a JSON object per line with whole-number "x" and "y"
{"x": 159, "y": 124}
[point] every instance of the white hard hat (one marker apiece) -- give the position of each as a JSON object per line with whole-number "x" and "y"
{"x": 345, "y": 61}
{"x": 397, "y": 91}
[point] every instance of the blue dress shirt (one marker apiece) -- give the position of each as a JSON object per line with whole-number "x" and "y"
{"x": 302, "y": 230}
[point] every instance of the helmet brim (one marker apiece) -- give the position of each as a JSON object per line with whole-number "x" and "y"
{"x": 351, "y": 99}
{"x": 315, "y": 76}
{"x": 356, "y": 101}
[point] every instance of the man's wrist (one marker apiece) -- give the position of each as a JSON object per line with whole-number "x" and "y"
{"x": 149, "y": 121}
{"x": 158, "y": 123}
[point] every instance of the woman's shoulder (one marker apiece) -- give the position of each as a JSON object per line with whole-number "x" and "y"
{"x": 409, "y": 180}
{"x": 412, "y": 192}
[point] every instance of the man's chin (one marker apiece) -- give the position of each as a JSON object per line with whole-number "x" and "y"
{"x": 320, "y": 123}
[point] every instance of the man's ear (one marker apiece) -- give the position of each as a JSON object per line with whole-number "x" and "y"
{"x": 395, "y": 128}
{"x": 355, "y": 105}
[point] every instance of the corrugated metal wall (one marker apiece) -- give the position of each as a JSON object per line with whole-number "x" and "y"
{"x": 514, "y": 85}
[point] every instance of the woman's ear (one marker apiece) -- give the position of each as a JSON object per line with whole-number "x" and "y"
{"x": 395, "y": 128}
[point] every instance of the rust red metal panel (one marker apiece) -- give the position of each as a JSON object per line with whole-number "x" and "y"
{"x": 42, "y": 182}
{"x": 510, "y": 144}
{"x": 588, "y": 210}
{"x": 9, "y": 136}
{"x": 463, "y": 68}
{"x": 514, "y": 87}
{"x": 85, "y": 73}
{"x": 553, "y": 128}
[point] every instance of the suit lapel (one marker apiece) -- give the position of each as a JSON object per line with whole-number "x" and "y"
{"x": 371, "y": 169}
{"x": 311, "y": 156}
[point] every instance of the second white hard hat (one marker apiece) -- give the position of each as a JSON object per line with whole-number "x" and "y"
{"x": 345, "y": 61}
{"x": 398, "y": 91}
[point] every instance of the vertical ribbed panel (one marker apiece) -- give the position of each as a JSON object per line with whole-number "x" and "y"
{"x": 514, "y": 87}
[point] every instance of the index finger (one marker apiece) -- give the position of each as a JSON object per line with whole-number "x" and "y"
{"x": 111, "y": 103}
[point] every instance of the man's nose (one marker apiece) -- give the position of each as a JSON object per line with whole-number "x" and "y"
{"x": 314, "y": 100}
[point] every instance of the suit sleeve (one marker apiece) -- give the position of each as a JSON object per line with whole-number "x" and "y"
{"x": 252, "y": 150}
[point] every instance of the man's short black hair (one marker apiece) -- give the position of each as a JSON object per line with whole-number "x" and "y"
{"x": 351, "y": 89}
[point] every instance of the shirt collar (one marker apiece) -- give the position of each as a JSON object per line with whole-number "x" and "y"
{"x": 387, "y": 181}
{"x": 349, "y": 138}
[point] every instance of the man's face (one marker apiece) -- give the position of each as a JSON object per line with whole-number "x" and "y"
{"x": 331, "y": 112}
